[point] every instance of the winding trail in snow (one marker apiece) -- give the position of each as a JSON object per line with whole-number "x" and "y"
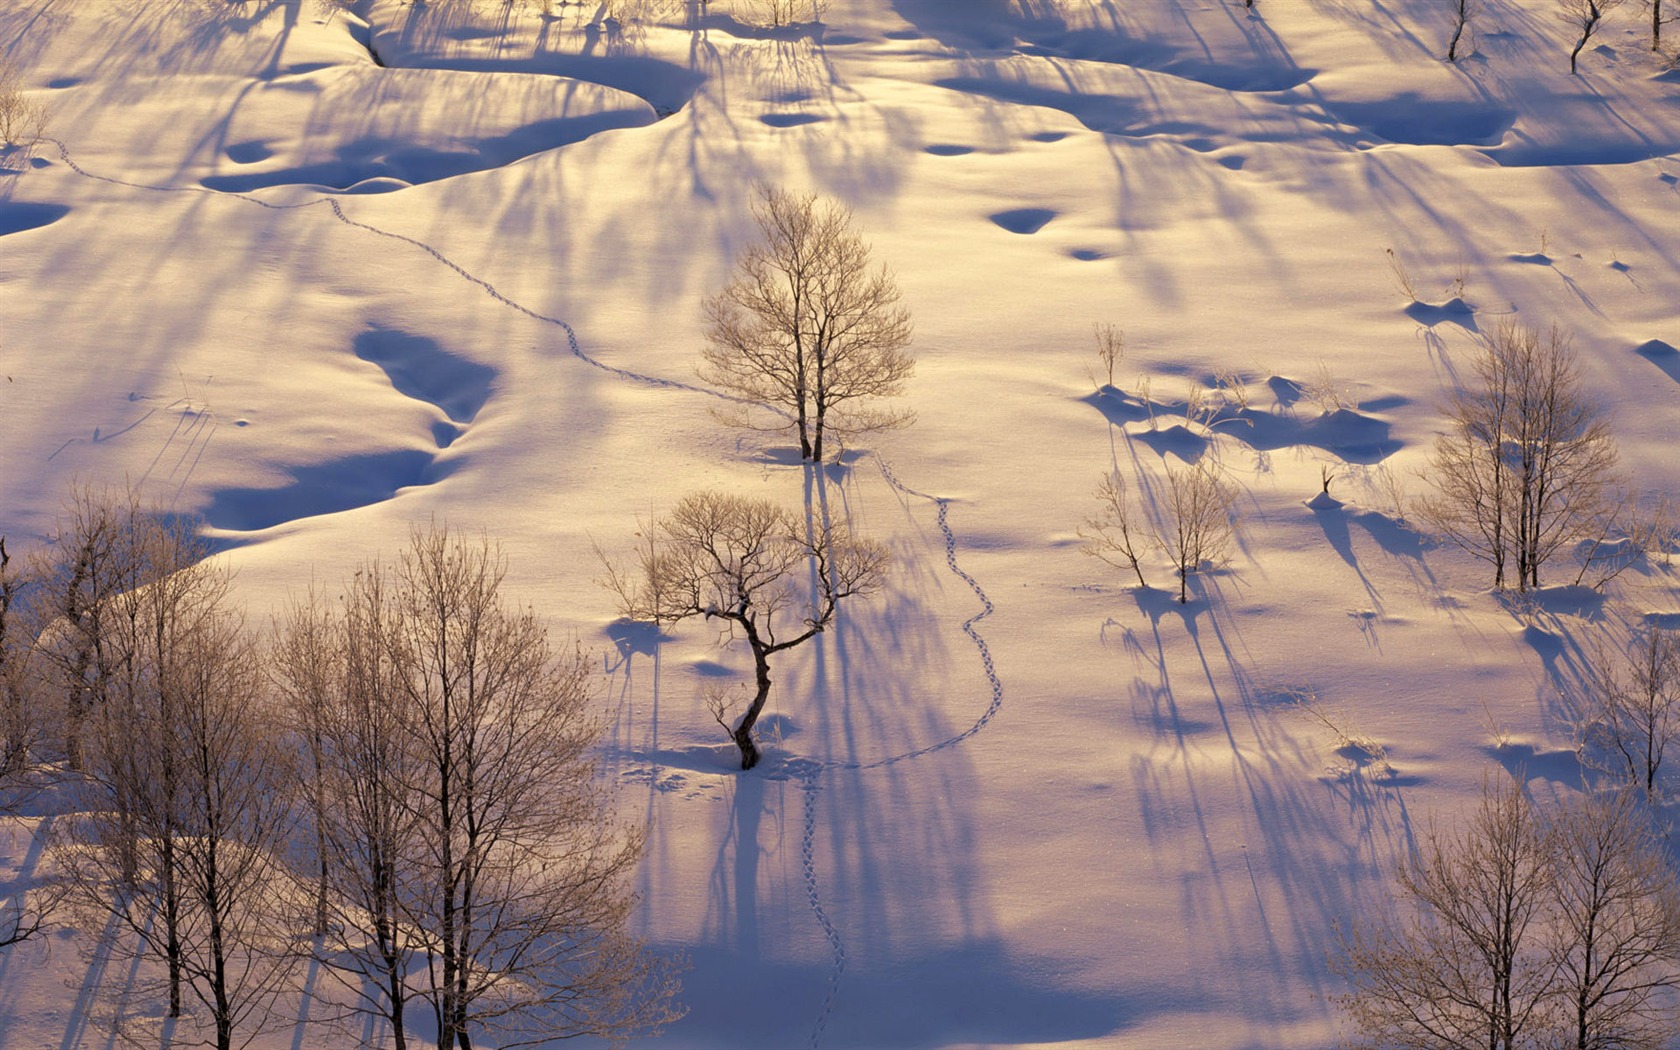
{"x": 337, "y": 209}
{"x": 808, "y": 773}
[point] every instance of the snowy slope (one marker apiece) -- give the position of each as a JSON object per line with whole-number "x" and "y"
{"x": 319, "y": 271}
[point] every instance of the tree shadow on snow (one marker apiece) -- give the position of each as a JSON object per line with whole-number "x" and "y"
{"x": 1314, "y": 847}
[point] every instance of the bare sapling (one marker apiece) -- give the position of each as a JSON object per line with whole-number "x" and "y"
{"x": 1402, "y": 277}
{"x": 1387, "y": 485}
{"x": 1233, "y": 387}
{"x": 1111, "y": 350}
{"x": 22, "y": 120}
{"x": 1199, "y": 525}
{"x": 1325, "y": 390}
{"x": 1114, "y": 535}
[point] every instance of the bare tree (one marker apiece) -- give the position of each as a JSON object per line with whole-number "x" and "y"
{"x": 1529, "y": 928}
{"x": 131, "y": 591}
{"x": 735, "y": 559}
{"x": 180, "y": 837}
{"x": 22, "y": 120}
{"x": 807, "y": 330}
{"x": 1634, "y": 709}
{"x": 1615, "y": 925}
{"x": 87, "y": 566}
{"x": 517, "y": 886}
{"x": 1111, "y": 350}
{"x": 1584, "y": 18}
{"x": 1114, "y": 535}
{"x": 20, "y": 717}
{"x": 1466, "y": 962}
{"x": 29, "y": 911}
{"x": 1525, "y": 468}
{"x": 334, "y": 667}
{"x": 1198, "y": 526}
{"x": 240, "y": 923}
{"x": 783, "y": 12}
{"x": 1464, "y": 13}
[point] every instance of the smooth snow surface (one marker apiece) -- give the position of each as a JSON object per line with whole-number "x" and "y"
{"x": 322, "y": 271}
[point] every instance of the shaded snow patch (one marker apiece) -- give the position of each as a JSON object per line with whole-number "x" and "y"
{"x": 1023, "y": 220}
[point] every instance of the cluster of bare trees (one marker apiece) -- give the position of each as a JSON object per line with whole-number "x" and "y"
{"x": 399, "y": 786}
{"x": 1584, "y": 19}
{"x": 1192, "y": 522}
{"x": 1527, "y": 468}
{"x": 1526, "y": 927}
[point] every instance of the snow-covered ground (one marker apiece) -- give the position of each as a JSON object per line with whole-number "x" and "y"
{"x": 320, "y": 271}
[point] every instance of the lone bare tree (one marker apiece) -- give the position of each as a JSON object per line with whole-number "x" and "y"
{"x": 1528, "y": 460}
{"x": 1584, "y": 18}
{"x": 22, "y": 120}
{"x": 1198, "y": 526}
{"x": 1634, "y": 709}
{"x": 740, "y": 560}
{"x": 807, "y": 330}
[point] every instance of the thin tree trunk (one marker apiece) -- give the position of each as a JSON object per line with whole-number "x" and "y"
{"x": 172, "y": 924}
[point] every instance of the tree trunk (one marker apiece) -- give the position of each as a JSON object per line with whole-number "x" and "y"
{"x": 172, "y": 923}
{"x": 744, "y": 728}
